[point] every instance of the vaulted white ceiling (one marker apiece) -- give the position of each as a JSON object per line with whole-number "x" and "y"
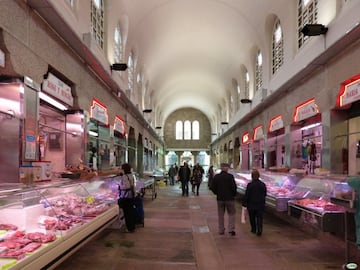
{"x": 190, "y": 50}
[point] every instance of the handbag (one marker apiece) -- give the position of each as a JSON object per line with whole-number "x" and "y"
{"x": 243, "y": 214}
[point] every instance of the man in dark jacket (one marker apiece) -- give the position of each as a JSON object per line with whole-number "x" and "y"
{"x": 184, "y": 177}
{"x": 224, "y": 187}
{"x": 254, "y": 201}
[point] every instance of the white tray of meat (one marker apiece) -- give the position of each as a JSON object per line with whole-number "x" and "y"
{"x": 13, "y": 254}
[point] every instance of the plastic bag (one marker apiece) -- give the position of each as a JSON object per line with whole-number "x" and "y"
{"x": 243, "y": 214}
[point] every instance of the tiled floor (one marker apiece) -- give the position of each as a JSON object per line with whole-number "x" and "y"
{"x": 181, "y": 233}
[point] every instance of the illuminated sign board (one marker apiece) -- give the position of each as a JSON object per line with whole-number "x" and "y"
{"x": 349, "y": 91}
{"x": 276, "y": 123}
{"x": 305, "y": 110}
{"x": 258, "y": 133}
{"x": 98, "y": 111}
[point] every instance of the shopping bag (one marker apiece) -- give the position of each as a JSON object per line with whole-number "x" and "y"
{"x": 243, "y": 214}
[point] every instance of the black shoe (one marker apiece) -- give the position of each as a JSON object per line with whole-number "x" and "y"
{"x": 258, "y": 233}
{"x": 232, "y": 233}
{"x": 252, "y": 231}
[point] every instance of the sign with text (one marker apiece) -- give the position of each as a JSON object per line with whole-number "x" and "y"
{"x": 258, "y": 133}
{"x": 98, "y": 111}
{"x": 58, "y": 89}
{"x": 119, "y": 125}
{"x": 349, "y": 91}
{"x": 276, "y": 123}
{"x": 305, "y": 110}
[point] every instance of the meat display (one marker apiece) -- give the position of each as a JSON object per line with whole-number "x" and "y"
{"x": 320, "y": 205}
{"x": 8, "y": 227}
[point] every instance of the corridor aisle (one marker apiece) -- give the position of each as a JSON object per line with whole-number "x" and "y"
{"x": 181, "y": 233}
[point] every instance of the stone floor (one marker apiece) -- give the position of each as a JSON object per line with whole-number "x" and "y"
{"x": 181, "y": 233}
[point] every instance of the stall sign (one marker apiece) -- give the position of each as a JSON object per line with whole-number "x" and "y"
{"x": 349, "y": 91}
{"x": 119, "y": 125}
{"x": 98, "y": 111}
{"x": 245, "y": 137}
{"x": 58, "y": 89}
{"x": 305, "y": 110}
{"x": 258, "y": 133}
{"x": 2, "y": 58}
{"x": 276, "y": 123}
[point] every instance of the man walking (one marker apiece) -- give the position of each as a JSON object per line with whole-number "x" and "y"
{"x": 184, "y": 177}
{"x": 224, "y": 187}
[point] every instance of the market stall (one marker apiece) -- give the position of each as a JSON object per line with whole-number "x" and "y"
{"x": 315, "y": 207}
{"x": 43, "y": 225}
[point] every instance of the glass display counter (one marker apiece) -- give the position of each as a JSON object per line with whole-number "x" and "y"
{"x": 42, "y": 225}
{"x": 242, "y": 178}
{"x": 316, "y": 207}
{"x": 280, "y": 189}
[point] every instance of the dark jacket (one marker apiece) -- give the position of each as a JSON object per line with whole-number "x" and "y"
{"x": 224, "y": 186}
{"x": 255, "y": 194}
{"x": 184, "y": 173}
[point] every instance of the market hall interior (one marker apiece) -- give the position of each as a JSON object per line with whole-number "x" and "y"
{"x": 86, "y": 86}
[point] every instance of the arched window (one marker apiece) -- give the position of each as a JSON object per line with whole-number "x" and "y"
{"x": 179, "y": 130}
{"x": 117, "y": 45}
{"x": 187, "y": 130}
{"x": 195, "y": 130}
{"x": 258, "y": 72}
{"x": 130, "y": 74}
{"x": 277, "y": 47}
{"x": 307, "y": 14}
{"x": 247, "y": 84}
{"x": 97, "y": 21}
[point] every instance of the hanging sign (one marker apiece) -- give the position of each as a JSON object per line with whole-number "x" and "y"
{"x": 245, "y": 137}
{"x": 119, "y": 125}
{"x": 276, "y": 123}
{"x": 58, "y": 89}
{"x": 349, "y": 91}
{"x": 305, "y": 110}
{"x": 98, "y": 111}
{"x": 258, "y": 133}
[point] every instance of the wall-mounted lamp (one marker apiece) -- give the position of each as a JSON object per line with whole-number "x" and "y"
{"x": 245, "y": 101}
{"x": 314, "y": 30}
{"x": 147, "y": 111}
{"x": 119, "y": 66}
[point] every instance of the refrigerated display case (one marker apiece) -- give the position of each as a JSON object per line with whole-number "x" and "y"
{"x": 315, "y": 207}
{"x": 43, "y": 225}
{"x": 280, "y": 189}
{"x": 242, "y": 178}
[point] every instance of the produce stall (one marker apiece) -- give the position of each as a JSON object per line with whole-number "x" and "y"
{"x": 41, "y": 226}
{"x": 315, "y": 207}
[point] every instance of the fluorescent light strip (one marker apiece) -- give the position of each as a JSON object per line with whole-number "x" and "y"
{"x": 311, "y": 126}
{"x": 93, "y": 133}
{"x": 52, "y": 101}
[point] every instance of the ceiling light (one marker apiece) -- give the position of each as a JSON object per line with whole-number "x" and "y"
{"x": 147, "y": 110}
{"x": 119, "y": 66}
{"x": 314, "y": 30}
{"x": 158, "y": 127}
{"x": 224, "y": 123}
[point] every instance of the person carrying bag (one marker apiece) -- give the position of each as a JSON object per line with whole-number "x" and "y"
{"x": 127, "y": 196}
